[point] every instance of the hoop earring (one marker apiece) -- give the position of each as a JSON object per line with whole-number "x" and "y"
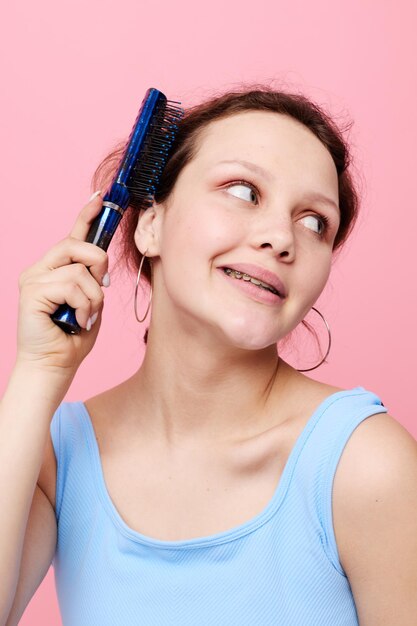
{"x": 136, "y": 290}
{"x": 328, "y": 348}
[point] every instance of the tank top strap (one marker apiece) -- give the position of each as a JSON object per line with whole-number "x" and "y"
{"x": 71, "y": 451}
{"x": 318, "y": 461}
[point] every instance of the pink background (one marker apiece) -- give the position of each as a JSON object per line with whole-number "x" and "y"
{"x": 74, "y": 75}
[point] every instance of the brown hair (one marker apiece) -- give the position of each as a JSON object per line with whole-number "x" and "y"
{"x": 196, "y": 118}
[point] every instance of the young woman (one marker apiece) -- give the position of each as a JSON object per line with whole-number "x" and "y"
{"x": 217, "y": 485}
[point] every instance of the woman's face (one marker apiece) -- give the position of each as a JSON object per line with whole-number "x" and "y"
{"x": 256, "y": 193}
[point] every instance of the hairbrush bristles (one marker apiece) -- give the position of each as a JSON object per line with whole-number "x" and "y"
{"x": 145, "y": 175}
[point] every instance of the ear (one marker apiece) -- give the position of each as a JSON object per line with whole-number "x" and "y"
{"x": 148, "y": 229}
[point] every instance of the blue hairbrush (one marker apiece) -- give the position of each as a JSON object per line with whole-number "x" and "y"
{"x": 136, "y": 179}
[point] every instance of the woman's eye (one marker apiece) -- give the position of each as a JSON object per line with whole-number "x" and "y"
{"x": 244, "y": 191}
{"x": 319, "y": 223}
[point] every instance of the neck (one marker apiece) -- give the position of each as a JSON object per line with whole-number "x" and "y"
{"x": 205, "y": 389}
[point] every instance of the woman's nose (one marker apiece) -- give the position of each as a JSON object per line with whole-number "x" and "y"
{"x": 277, "y": 235}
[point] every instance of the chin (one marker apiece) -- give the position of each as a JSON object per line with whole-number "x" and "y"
{"x": 248, "y": 338}
{"x": 254, "y": 346}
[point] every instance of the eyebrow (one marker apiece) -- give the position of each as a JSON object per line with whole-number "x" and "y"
{"x": 319, "y": 197}
{"x": 312, "y": 197}
{"x": 250, "y": 166}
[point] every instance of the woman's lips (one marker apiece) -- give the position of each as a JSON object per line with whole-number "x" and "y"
{"x": 257, "y": 293}
{"x": 261, "y": 273}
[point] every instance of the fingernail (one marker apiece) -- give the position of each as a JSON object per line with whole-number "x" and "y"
{"x": 94, "y": 195}
{"x": 88, "y": 326}
{"x": 93, "y": 318}
{"x": 106, "y": 280}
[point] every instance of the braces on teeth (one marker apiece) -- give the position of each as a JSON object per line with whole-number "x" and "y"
{"x": 248, "y": 278}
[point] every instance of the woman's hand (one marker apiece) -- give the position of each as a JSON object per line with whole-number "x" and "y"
{"x": 61, "y": 276}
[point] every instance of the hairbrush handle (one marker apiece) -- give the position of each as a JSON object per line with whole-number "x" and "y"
{"x": 136, "y": 179}
{"x": 100, "y": 234}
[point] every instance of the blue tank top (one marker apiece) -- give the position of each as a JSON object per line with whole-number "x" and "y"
{"x": 279, "y": 568}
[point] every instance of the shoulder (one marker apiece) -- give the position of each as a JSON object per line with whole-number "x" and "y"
{"x": 379, "y": 452}
{"x": 376, "y": 469}
{"x": 375, "y": 516}
{"x": 99, "y": 409}
{"x": 108, "y": 411}
{"x": 304, "y": 394}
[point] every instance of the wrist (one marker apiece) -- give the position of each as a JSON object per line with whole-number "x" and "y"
{"x": 41, "y": 369}
{"x": 43, "y": 383}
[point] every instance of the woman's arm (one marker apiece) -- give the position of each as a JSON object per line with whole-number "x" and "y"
{"x": 375, "y": 521}
{"x": 26, "y": 410}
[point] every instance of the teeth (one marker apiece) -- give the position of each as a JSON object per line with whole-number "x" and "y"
{"x": 247, "y": 278}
